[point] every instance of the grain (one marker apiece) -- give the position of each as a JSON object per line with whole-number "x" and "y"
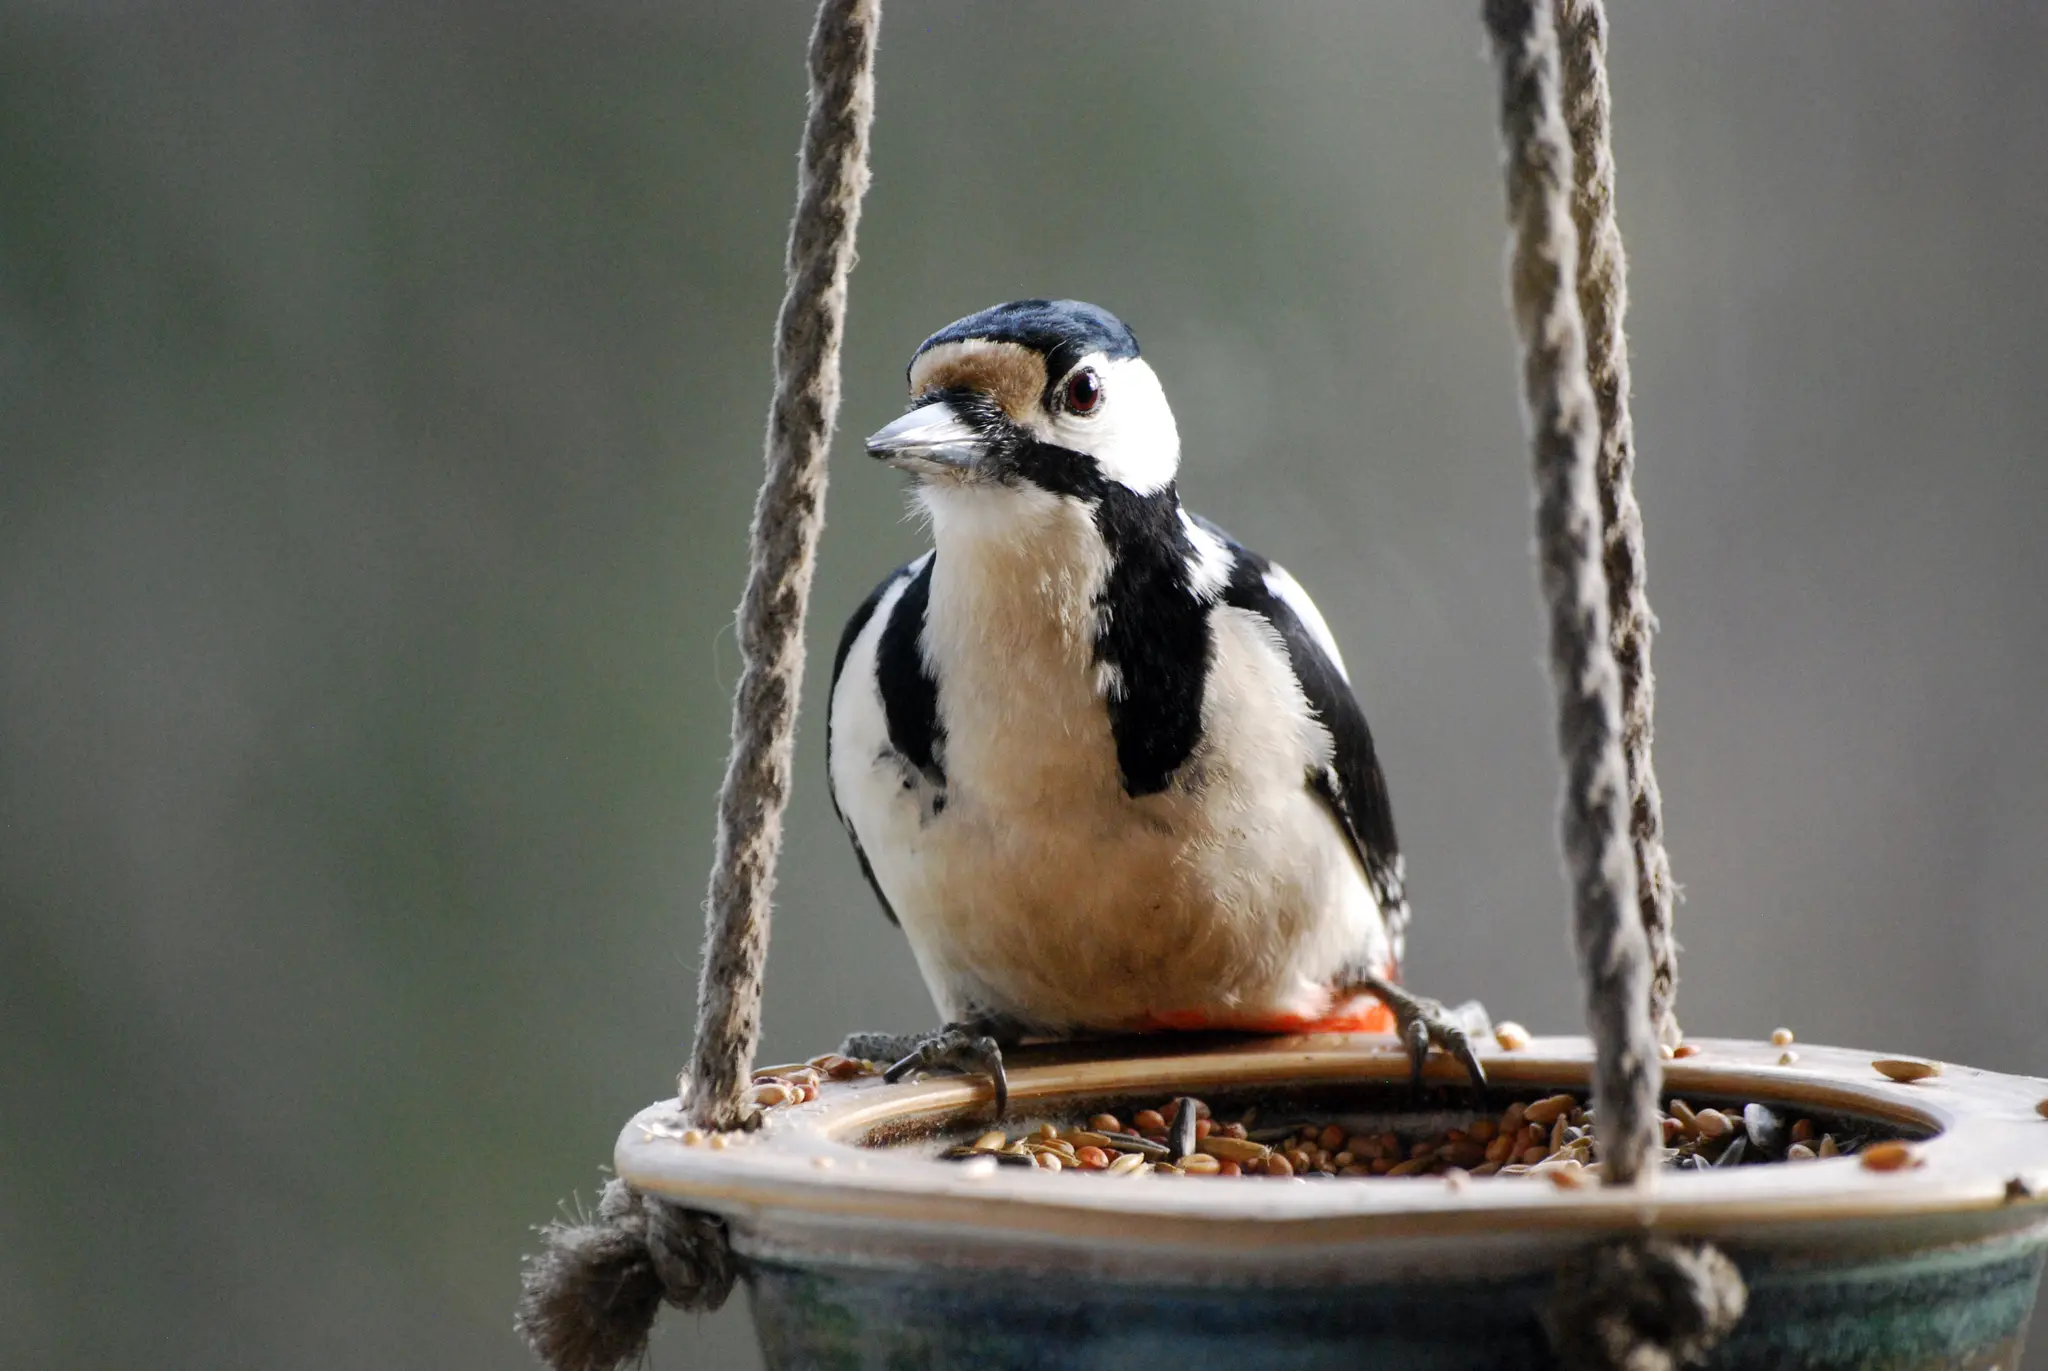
{"x": 1552, "y": 1137}
{"x": 1906, "y": 1070}
{"x": 1781, "y": 1037}
{"x": 1889, "y": 1156}
{"x": 1234, "y": 1149}
{"x": 1511, "y": 1036}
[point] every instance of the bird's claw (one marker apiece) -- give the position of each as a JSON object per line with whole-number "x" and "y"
{"x": 1420, "y": 1022}
{"x": 961, "y": 1047}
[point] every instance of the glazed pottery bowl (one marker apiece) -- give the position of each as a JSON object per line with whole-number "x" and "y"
{"x": 862, "y": 1250}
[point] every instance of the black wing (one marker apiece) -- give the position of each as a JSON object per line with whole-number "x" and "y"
{"x": 910, "y": 697}
{"x": 1352, "y": 783}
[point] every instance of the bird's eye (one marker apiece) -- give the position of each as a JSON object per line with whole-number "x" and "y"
{"x": 1084, "y": 391}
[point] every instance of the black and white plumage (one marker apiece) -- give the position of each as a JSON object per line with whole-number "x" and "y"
{"x": 1102, "y": 764}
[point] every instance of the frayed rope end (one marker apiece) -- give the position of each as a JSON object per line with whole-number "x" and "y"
{"x": 589, "y": 1297}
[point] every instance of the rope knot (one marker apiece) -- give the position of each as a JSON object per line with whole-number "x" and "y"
{"x": 1643, "y": 1306}
{"x": 589, "y": 1298}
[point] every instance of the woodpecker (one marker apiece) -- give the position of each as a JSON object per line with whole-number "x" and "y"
{"x": 1100, "y": 762}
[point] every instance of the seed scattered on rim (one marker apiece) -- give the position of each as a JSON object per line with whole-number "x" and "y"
{"x": 1889, "y": 1156}
{"x": 1511, "y": 1036}
{"x": 1687, "y": 1050}
{"x": 2042, "y": 1109}
{"x": 1906, "y": 1070}
{"x": 1787, "y": 1058}
{"x": 1781, "y": 1037}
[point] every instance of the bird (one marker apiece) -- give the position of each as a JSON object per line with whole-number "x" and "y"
{"x": 1100, "y": 762}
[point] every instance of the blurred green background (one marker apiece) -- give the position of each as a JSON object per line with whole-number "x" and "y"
{"x": 383, "y": 389}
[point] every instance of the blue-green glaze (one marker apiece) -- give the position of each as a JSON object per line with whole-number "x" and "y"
{"x": 1956, "y": 1307}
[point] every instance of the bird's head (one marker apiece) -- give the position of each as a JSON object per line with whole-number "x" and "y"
{"x": 1044, "y": 395}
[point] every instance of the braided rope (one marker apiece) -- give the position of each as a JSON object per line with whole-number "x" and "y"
{"x": 589, "y": 1298}
{"x": 831, "y": 178}
{"x": 1565, "y": 435}
{"x": 1639, "y": 1305}
{"x": 1603, "y": 300}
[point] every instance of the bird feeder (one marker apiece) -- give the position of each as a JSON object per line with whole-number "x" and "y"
{"x": 862, "y": 1249}
{"x": 876, "y": 1225}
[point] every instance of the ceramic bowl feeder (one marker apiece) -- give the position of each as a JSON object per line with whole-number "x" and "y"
{"x": 862, "y": 1249}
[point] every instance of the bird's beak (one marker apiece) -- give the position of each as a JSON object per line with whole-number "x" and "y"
{"x": 932, "y": 438}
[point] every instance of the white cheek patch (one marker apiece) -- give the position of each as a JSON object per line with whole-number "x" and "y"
{"x": 1131, "y": 435}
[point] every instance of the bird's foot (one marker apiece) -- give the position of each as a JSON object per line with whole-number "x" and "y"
{"x": 1420, "y": 1022}
{"x": 963, "y": 1047}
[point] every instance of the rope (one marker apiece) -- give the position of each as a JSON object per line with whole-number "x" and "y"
{"x": 1603, "y": 300}
{"x": 589, "y": 1298}
{"x": 1637, "y": 1305}
{"x": 1564, "y": 424}
{"x": 1650, "y": 1306}
{"x": 832, "y": 175}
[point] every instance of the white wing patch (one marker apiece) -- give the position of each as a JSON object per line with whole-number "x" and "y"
{"x": 1209, "y": 569}
{"x": 1288, "y": 591}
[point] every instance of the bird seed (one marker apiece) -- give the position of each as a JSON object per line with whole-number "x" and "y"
{"x": 1552, "y": 1138}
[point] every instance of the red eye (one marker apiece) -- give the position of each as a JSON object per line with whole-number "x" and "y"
{"x": 1084, "y": 391}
